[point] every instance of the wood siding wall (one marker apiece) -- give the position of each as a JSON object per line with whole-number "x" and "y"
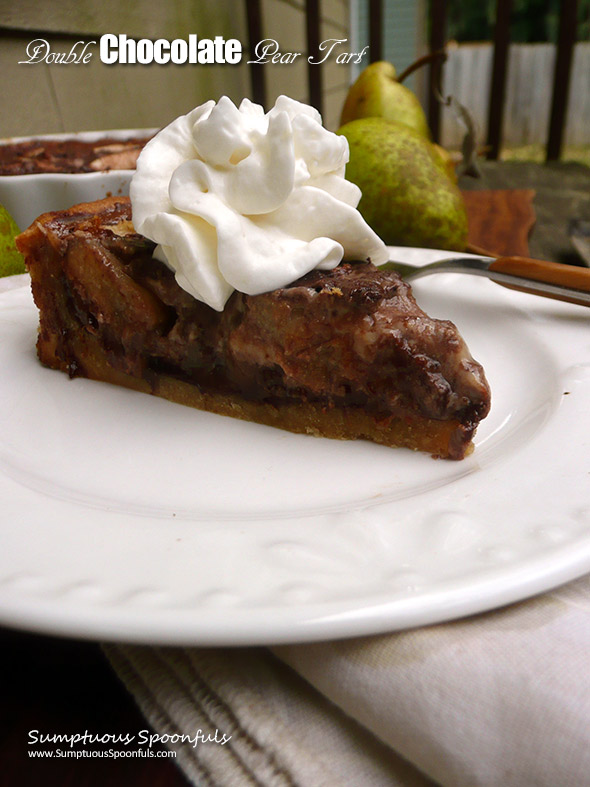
{"x": 44, "y": 98}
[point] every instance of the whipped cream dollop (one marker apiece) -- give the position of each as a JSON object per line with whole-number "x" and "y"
{"x": 240, "y": 199}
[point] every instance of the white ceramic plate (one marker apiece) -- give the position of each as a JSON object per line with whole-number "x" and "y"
{"x": 126, "y": 517}
{"x": 27, "y": 196}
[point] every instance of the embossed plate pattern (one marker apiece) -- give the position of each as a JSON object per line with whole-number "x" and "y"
{"x": 126, "y": 517}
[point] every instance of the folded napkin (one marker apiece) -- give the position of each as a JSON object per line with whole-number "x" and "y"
{"x": 501, "y": 698}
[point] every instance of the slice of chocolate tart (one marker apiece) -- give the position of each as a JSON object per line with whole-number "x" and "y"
{"x": 345, "y": 353}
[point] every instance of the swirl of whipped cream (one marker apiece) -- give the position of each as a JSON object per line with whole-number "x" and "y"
{"x": 239, "y": 199}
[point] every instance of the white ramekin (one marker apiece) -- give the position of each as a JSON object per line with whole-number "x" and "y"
{"x": 27, "y": 196}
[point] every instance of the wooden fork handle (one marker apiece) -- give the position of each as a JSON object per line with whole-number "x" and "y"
{"x": 553, "y": 273}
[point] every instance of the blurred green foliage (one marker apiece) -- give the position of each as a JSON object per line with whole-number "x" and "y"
{"x": 532, "y": 21}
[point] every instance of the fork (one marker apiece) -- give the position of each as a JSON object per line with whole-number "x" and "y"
{"x": 569, "y": 283}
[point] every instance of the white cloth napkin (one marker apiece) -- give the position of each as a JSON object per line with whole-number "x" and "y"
{"x": 501, "y": 698}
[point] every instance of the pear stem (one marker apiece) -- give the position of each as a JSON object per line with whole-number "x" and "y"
{"x": 423, "y": 61}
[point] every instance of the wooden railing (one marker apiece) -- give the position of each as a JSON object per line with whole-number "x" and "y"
{"x": 561, "y": 76}
{"x": 437, "y": 41}
{"x": 312, "y": 31}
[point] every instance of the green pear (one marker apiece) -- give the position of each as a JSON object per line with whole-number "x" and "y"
{"x": 377, "y": 93}
{"x": 11, "y": 260}
{"x": 407, "y": 196}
